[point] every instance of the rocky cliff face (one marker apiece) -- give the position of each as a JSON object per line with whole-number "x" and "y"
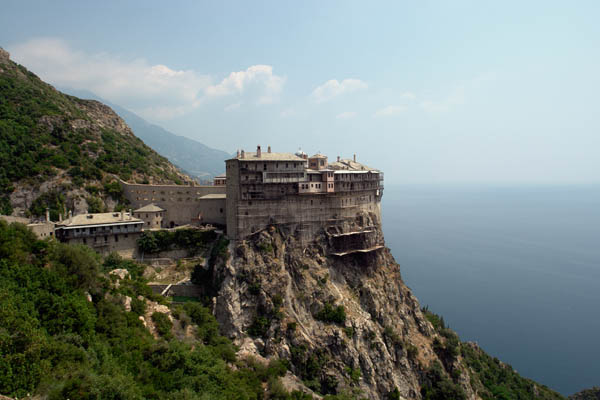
{"x": 347, "y": 324}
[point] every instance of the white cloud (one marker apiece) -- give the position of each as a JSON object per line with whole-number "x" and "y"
{"x": 157, "y": 91}
{"x": 408, "y": 96}
{"x": 390, "y": 111}
{"x": 332, "y": 88}
{"x": 346, "y": 115}
{"x": 257, "y": 78}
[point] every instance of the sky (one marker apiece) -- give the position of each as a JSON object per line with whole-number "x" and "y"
{"x": 429, "y": 92}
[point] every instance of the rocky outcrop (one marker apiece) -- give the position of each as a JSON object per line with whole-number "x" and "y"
{"x": 346, "y": 323}
{"x": 4, "y": 56}
{"x": 587, "y": 394}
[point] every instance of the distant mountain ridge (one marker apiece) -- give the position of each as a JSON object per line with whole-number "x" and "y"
{"x": 61, "y": 152}
{"x": 193, "y": 157}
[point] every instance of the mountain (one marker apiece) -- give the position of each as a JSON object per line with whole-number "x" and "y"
{"x": 348, "y": 324}
{"x": 59, "y": 151}
{"x": 195, "y": 158}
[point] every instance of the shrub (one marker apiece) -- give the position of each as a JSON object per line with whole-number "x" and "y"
{"x": 163, "y": 324}
{"x": 331, "y": 313}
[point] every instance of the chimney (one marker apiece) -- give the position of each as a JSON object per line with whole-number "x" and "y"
{"x": 130, "y": 213}
{"x": 70, "y": 214}
{"x": 269, "y": 149}
{"x": 354, "y": 157}
{"x": 59, "y": 217}
{"x": 238, "y": 154}
{"x": 123, "y": 215}
{"x": 338, "y": 160}
{"x": 258, "y": 151}
{"x": 243, "y": 153}
{"x": 47, "y": 214}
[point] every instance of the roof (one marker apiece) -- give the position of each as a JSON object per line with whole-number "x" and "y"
{"x": 221, "y": 176}
{"x": 149, "y": 208}
{"x": 318, "y": 155}
{"x": 98, "y": 219}
{"x": 348, "y": 165}
{"x": 213, "y": 196}
{"x": 266, "y": 156}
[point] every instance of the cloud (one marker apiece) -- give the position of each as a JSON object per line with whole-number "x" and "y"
{"x": 408, "y": 96}
{"x": 346, "y": 115}
{"x": 258, "y": 78}
{"x": 390, "y": 111}
{"x": 157, "y": 91}
{"x": 332, "y": 88}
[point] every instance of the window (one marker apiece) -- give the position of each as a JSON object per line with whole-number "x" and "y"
{"x": 116, "y": 238}
{"x": 84, "y": 241}
{"x": 221, "y": 210}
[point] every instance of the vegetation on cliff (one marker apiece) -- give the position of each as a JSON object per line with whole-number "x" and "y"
{"x": 493, "y": 378}
{"x": 46, "y": 135}
{"x": 64, "y": 333}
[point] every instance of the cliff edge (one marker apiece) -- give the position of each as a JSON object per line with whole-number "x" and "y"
{"x": 345, "y": 321}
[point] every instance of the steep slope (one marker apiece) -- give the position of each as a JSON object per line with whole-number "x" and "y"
{"x": 349, "y": 324}
{"x": 65, "y": 148}
{"x": 195, "y": 158}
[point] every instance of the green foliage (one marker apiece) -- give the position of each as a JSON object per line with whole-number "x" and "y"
{"x": 219, "y": 251}
{"x": 57, "y": 344}
{"x": 354, "y": 374}
{"x": 332, "y": 314}
{"x": 349, "y": 331}
{"x": 38, "y": 138}
{"x": 438, "y": 386}
{"x": 95, "y": 205}
{"x": 53, "y": 200}
{"x": 394, "y": 394}
{"x": 259, "y": 327}
{"x": 163, "y": 324}
{"x": 265, "y": 248}
{"x": 309, "y": 365}
{"x": 193, "y": 240}
{"x": 501, "y": 380}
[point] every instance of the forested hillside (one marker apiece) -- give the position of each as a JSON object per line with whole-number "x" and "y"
{"x": 53, "y": 144}
{"x": 65, "y": 332}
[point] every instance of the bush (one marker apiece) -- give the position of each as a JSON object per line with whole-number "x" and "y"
{"x": 330, "y": 313}
{"x": 162, "y": 324}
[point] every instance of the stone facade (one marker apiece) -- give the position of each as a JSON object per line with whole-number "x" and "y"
{"x": 280, "y": 189}
{"x": 183, "y": 205}
{"x": 104, "y": 232}
{"x": 152, "y": 215}
{"x": 298, "y": 193}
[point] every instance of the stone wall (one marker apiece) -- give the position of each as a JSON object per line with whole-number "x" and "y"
{"x": 125, "y": 244}
{"x": 304, "y": 215}
{"x": 183, "y": 204}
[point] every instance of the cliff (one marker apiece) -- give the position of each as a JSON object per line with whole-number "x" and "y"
{"x": 59, "y": 151}
{"x": 348, "y": 324}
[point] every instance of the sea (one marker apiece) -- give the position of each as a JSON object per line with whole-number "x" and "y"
{"x": 514, "y": 268}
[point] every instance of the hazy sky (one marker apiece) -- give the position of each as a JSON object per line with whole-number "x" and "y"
{"x": 448, "y": 91}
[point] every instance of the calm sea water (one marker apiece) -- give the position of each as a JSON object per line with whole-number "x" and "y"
{"x": 516, "y": 269}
